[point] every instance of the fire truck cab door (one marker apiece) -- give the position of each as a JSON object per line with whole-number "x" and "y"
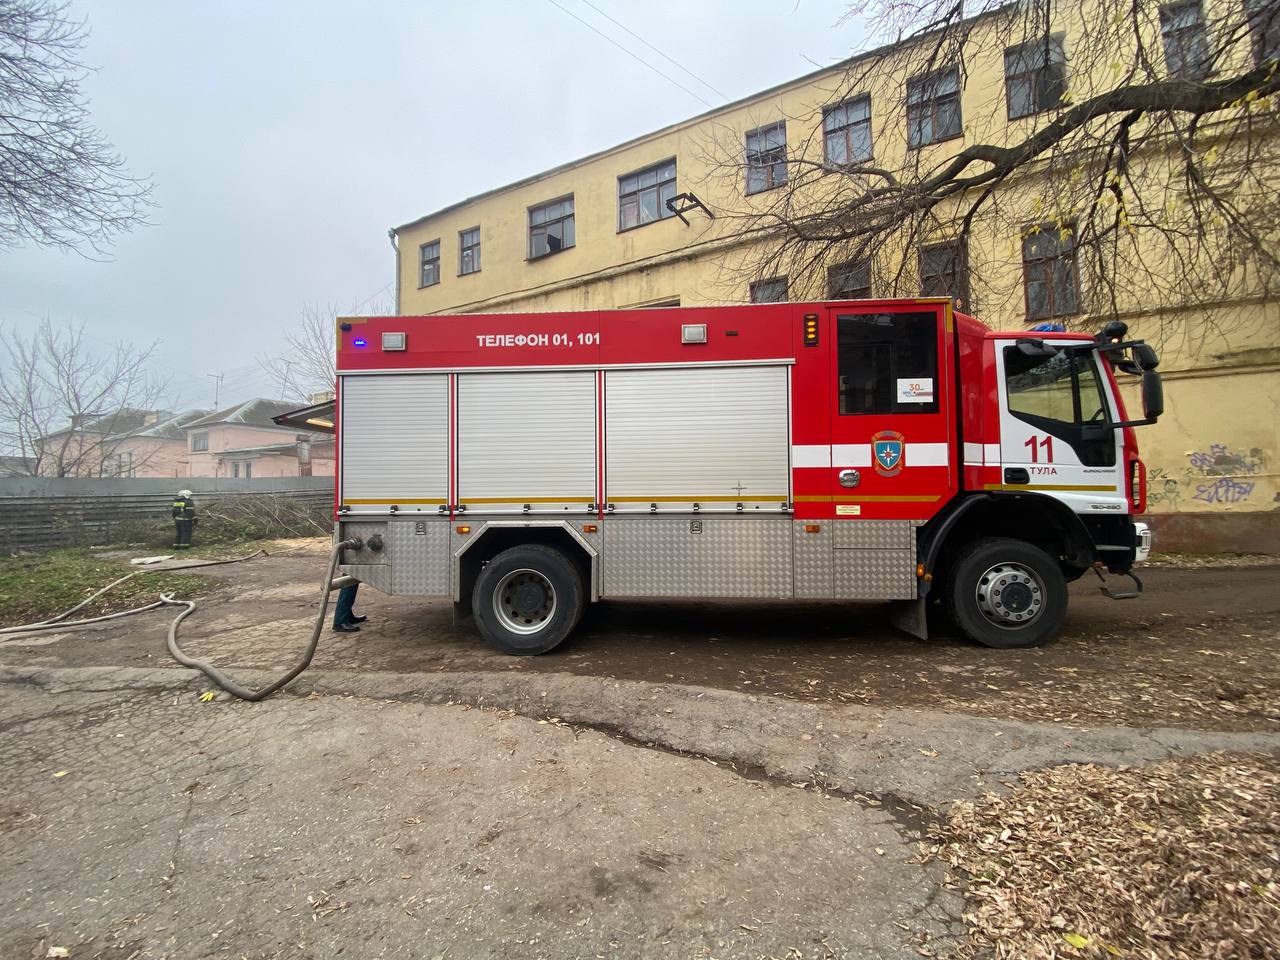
{"x": 1055, "y": 436}
{"x": 892, "y": 426}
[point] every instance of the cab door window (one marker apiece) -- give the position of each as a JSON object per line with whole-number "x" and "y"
{"x": 887, "y": 363}
{"x": 1062, "y": 395}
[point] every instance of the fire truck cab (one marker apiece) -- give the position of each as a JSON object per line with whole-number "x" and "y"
{"x": 524, "y": 465}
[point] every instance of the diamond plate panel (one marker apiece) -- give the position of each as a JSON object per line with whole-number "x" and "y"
{"x": 377, "y": 576}
{"x": 875, "y": 574}
{"x": 421, "y": 561}
{"x": 364, "y": 530}
{"x": 875, "y": 534}
{"x": 813, "y": 560}
{"x": 730, "y": 557}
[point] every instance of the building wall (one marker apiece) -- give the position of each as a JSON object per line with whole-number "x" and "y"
{"x": 1214, "y": 452}
{"x": 153, "y": 457}
{"x": 222, "y": 437}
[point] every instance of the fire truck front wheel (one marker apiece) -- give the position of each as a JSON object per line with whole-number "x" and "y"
{"x": 1006, "y": 593}
{"x": 527, "y": 599}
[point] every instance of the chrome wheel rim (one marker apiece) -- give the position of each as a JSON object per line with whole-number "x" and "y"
{"x": 1010, "y": 595}
{"x": 524, "y": 601}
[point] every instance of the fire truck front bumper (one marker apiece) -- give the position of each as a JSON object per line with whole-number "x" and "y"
{"x": 1142, "y": 542}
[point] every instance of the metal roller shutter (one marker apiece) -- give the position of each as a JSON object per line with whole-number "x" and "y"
{"x": 526, "y": 438}
{"x": 715, "y": 436}
{"x": 395, "y": 432}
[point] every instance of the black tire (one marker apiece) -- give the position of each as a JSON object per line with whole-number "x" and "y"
{"x": 541, "y": 600}
{"x": 1006, "y": 593}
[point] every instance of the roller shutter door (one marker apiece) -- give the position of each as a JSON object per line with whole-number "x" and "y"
{"x": 527, "y": 438}
{"x": 395, "y": 432}
{"x": 714, "y": 436}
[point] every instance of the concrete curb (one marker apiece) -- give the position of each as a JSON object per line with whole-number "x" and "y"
{"x": 921, "y": 756}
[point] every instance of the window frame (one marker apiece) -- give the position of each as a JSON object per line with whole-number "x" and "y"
{"x": 862, "y": 263}
{"x": 464, "y": 248}
{"x": 928, "y": 82}
{"x": 1033, "y": 75}
{"x": 200, "y": 442}
{"x": 569, "y": 217}
{"x": 423, "y": 260}
{"x": 843, "y": 131}
{"x": 1073, "y": 264}
{"x": 656, "y": 188}
{"x": 903, "y": 347}
{"x": 960, "y": 262}
{"x": 1262, "y": 34}
{"x": 766, "y": 282}
{"x": 1176, "y": 36}
{"x": 766, "y": 160}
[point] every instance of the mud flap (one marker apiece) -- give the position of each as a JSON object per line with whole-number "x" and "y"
{"x": 461, "y": 613}
{"x": 909, "y": 617}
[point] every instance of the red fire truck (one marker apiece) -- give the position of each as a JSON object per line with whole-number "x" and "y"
{"x": 524, "y": 465}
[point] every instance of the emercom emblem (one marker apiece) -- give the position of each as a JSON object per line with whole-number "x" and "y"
{"x": 886, "y": 449}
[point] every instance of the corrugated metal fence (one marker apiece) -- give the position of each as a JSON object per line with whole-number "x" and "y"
{"x": 40, "y": 513}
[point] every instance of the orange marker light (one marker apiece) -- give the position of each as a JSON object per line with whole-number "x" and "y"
{"x": 590, "y": 528}
{"x": 463, "y": 529}
{"x": 813, "y": 528}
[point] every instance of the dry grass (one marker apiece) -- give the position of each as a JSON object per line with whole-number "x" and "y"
{"x": 1178, "y": 859}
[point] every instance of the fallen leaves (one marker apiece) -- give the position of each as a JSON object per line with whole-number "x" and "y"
{"x": 1177, "y": 859}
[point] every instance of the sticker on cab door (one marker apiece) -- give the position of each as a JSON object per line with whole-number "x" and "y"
{"x": 886, "y": 450}
{"x": 915, "y": 390}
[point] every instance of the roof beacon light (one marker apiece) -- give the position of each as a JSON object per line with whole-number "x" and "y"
{"x": 359, "y": 342}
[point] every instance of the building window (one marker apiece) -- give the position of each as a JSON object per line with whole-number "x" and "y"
{"x": 1034, "y": 76}
{"x": 846, "y": 131}
{"x": 849, "y": 281}
{"x": 944, "y": 271}
{"x": 1049, "y": 272}
{"x": 767, "y": 157}
{"x": 1186, "y": 40}
{"x": 429, "y": 258}
{"x": 773, "y": 290}
{"x": 248, "y": 471}
{"x": 469, "y": 251}
{"x": 643, "y": 196}
{"x": 933, "y": 107}
{"x": 1264, "y": 23}
{"x": 551, "y": 228}
{"x": 199, "y": 442}
{"x": 235, "y": 469}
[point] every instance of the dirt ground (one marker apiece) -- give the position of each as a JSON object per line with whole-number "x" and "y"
{"x": 712, "y": 780}
{"x": 1200, "y": 648}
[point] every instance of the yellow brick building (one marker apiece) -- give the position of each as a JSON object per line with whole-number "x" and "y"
{"x": 595, "y": 233}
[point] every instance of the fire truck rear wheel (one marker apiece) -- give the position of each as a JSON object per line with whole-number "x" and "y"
{"x": 1006, "y": 593}
{"x": 527, "y": 599}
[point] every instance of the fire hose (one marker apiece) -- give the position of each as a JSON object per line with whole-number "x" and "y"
{"x": 166, "y": 600}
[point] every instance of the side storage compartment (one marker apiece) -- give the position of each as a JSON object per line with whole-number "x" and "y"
{"x": 394, "y": 434}
{"x": 705, "y": 439}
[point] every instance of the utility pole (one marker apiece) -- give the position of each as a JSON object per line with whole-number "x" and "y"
{"x": 217, "y": 386}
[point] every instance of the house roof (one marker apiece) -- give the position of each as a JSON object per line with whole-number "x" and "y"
{"x": 120, "y": 422}
{"x": 16, "y": 466}
{"x": 174, "y": 428}
{"x": 253, "y": 413}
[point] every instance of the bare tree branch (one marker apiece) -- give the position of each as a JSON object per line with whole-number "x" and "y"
{"x": 61, "y": 183}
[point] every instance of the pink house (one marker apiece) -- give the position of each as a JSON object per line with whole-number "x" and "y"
{"x": 127, "y": 443}
{"x": 243, "y": 441}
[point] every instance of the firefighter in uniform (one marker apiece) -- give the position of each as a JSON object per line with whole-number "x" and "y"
{"x": 184, "y": 519}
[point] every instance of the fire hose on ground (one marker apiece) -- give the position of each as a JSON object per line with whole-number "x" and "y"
{"x": 60, "y": 622}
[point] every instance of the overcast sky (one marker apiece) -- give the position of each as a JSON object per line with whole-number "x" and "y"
{"x": 285, "y": 138}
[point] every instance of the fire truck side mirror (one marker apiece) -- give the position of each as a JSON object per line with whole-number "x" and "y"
{"x": 1152, "y": 394}
{"x": 1146, "y": 356}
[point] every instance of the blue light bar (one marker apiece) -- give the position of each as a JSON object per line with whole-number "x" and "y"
{"x": 359, "y": 342}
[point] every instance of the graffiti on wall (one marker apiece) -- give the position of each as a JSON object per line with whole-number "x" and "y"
{"x": 1223, "y": 490}
{"x": 1215, "y": 476}
{"x": 1221, "y": 461}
